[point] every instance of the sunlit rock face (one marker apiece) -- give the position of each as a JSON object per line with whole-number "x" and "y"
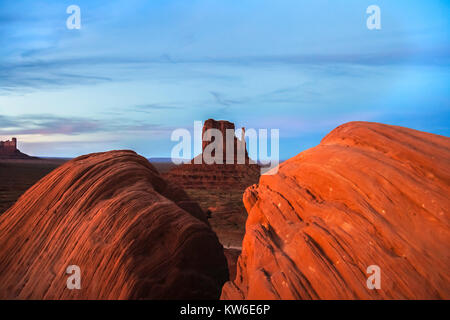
{"x": 368, "y": 194}
{"x": 132, "y": 234}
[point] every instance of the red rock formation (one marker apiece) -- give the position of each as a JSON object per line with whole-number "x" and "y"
{"x": 232, "y": 256}
{"x": 132, "y": 234}
{"x": 369, "y": 194}
{"x": 214, "y": 175}
{"x": 198, "y": 174}
{"x": 222, "y": 126}
{"x": 8, "y": 150}
{"x": 8, "y": 146}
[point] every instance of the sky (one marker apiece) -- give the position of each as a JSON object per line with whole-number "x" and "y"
{"x": 139, "y": 69}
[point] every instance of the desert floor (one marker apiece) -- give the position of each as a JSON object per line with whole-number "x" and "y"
{"x": 16, "y": 176}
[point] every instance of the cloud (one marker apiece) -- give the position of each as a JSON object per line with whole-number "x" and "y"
{"x": 434, "y": 56}
{"x": 35, "y": 73}
{"x": 16, "y": 80}
{"x": 147, "y": 108}
{"x": 47, "y": 124}
{"x": 220, "y": 99}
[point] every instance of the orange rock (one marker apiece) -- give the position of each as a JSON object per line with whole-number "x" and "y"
{"x": 369, "y": 194}
{"x": 132, "y": 234}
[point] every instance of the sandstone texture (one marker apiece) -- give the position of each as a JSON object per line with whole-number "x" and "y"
{"x": 368, "y": 194}
{"x": 133, "y": 235}
{"x": 215, "y": 176}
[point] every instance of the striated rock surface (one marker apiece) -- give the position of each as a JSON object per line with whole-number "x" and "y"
{"x": 133, "y": 235}
{"x": 369, "y": 194}
{"x": 215, "y": 176}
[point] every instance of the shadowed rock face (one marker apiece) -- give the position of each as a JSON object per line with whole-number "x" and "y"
{"x": 214, "y": 176}
{"x": 369, "y": 194}
{"x": 132, "y": 234}
{"x": 8, "y": 150}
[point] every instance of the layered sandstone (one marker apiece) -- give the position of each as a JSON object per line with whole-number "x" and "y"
{"x": 216, "y": 176}
{"x": 229, "y": 173}
{"x": 369, "y": 194}
{"x": 133, "y": 235}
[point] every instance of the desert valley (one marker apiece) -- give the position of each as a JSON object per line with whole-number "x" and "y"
{"x": 368, "y": 194}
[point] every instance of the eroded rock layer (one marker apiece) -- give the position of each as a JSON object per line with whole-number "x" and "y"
{"x": 216, "y": 176}
{"x": 133, "y": 235}
{"x": 369, "y": 194}
{"x": 230, "y": 172}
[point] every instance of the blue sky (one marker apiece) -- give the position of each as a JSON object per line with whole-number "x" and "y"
{"x": 137, "y": 70}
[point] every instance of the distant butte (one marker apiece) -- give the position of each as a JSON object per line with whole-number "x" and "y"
{"x": 222, "y": 126}
{"x": 8, "y": 150}
{"x": 226, "y": 175}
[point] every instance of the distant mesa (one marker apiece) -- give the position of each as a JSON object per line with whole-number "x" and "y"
{"x": 133, "y": 235}
{"x": 229, "y": 174}
{"x": 165, "y": 160}
{"x": 8, "y": 150}
{"x": 207, "y": 139}
{"x": 368, "y": 194}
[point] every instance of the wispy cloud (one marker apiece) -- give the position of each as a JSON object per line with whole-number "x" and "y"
{"x": 32, "y": 73}
{"x": 41, "y": 75}
{"x": 47, "y": 124}
{"x": 222, "y": 100}
{"x": 148, "y": 108}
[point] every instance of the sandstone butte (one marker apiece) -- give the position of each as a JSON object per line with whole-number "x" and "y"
{"x": 133, "y": 235}
{"x": 198, "y": 174}
{"x": 368, "y": 194}
{"x": 8, "y": 150}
